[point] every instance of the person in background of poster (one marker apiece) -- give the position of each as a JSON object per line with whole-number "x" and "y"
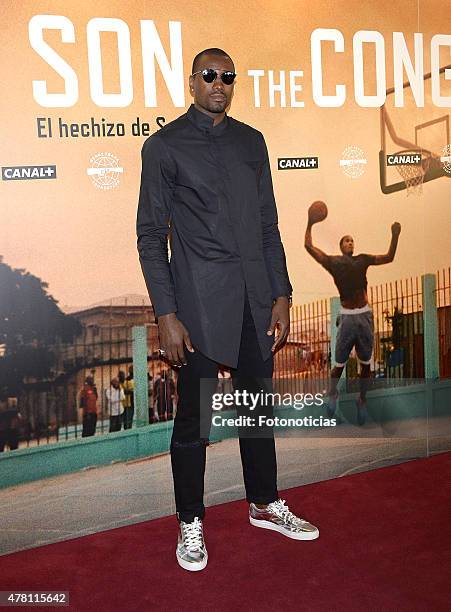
{"x": 163, "y": 393}
{"x": 88, "y": 407}
{"x": 121, "y": 379}
{"x": 129, "y": 402}
{"x": 222, "y": 295}
{"x": 10, "y": 424}
{"x": 224, "y": 381}
{"x": 115, "y": 404}
{"x": 153, "y": 416}
{"x": 355, "y": 321}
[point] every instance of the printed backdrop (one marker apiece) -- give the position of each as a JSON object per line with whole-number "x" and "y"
{"x": 311, "y": 76}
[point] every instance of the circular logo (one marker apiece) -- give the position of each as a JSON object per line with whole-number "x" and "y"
{"x": 105, "y": 170}
{"x": 353, "y": 162}
{"x": 446, "y": 158}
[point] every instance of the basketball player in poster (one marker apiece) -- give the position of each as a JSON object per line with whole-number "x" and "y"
{"x": 355, "y": 321}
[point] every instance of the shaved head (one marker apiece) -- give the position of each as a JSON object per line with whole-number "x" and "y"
{"x": 213, "y": 51}
{"x": 347, "y": 245}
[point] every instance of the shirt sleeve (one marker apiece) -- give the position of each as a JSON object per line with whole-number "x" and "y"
{"x": 152, "y": 223}
{"x": 328, "y": 263}
{"x": 369, "y": 260}
{"x": 273, "y": 250}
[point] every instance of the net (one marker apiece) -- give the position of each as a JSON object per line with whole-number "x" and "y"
{"x": 413, "y": 174}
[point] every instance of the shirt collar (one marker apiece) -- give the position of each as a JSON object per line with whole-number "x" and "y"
{"x": 205, "y": 123}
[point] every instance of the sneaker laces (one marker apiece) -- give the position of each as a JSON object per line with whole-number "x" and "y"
{"x": 281, "y": 510}
{"x": 192, "y": 534}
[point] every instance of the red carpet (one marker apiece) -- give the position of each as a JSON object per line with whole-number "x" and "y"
{"x": 385, "y": 544}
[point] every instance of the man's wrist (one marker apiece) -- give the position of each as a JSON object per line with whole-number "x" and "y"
{"x": 167, "y": 317}
{"x": 289, "y": 299}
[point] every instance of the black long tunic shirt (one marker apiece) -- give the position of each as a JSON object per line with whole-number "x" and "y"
{"x": 209, "y": 189}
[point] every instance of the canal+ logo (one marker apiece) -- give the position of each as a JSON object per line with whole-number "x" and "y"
{"x": 404, "y": 158}
{"x": 26, "y": 173}
{"x": 297, "y": 163}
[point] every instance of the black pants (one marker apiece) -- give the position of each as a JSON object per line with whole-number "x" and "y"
{"x": 129, "y": 411}
{"x": 115, "y": 423}
{"x": 188, "y": 447}
{"x": 9, "y": 437}
{"x": 89, "y": 424}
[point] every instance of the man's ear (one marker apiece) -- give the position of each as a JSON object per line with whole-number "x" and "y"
{"x": 191, "y": 85}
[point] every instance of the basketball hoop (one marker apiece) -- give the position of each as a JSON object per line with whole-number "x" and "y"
{"x": 413, "y": 174}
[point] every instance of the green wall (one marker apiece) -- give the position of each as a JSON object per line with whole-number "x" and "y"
{"x": 24, "y": 465}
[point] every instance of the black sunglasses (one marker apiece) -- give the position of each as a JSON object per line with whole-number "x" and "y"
{"x": 209, "y": 75}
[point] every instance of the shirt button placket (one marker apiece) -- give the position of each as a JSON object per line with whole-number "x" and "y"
{"x": 225, "y": 202}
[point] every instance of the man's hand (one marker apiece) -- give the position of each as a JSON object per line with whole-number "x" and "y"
{"x": 281, "y": 318}
{"x": 396, "y": 229}
{"x": 173, "y": 334}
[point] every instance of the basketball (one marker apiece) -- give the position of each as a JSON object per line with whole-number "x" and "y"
{"x": 317, "y": 212}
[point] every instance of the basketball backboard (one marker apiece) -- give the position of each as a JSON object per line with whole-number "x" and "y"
{"x": 412, "y": 128}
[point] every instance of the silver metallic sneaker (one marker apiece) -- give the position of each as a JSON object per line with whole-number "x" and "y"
{"x": 277, "y": 516}
{"x": 191, "y": 551}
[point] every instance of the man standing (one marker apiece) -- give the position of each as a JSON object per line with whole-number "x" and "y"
{"x": 88, "y": 407}
{"x": 129, "y": 402}
{"x": 10, "y": 422}
{"x": 206, "y": 178}
{"x": 115, "y": 398}
{"x": 163, "y": 392}
{"x": 355, "y": 322}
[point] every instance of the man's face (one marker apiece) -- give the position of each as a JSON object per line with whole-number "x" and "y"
{"x": 215, "y": 97}
{"x": 347, "y": 245}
